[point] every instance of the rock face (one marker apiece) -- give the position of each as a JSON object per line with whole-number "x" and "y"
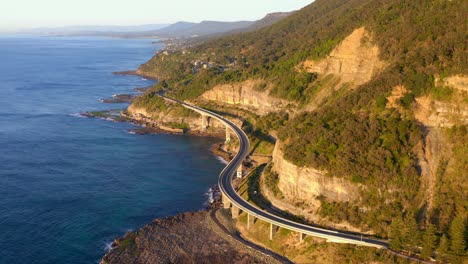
{"x": 459, "y": 82}
{"x": 435, "y": 115}
{"x": 298, "y": 183}
{"x": 439, "y": 113}
{"x": 303, "y": 188}
{"x": 355, "y": 60}
{"x": 164, "y": 117}
{"x": 245, "y": 95}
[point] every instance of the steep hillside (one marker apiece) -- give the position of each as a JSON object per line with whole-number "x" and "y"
{"x": 378, "y": 105}
{"x": 268, "y": 20}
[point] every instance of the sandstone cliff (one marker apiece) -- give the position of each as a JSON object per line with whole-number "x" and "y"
{"x": 303, "y": 188}
{"x": 433, "y": 112}
{"x": 250, "y": 95}
{"x": 353, "y": 62}
{"x": 436, "y": 156}
{"x": 171, "y": 116}
{"x": 308, "y": 183}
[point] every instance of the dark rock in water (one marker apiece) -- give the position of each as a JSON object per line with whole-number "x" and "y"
{"x": 147, "y": 130}
{"x": 137, "y": 73}
{"x": 120, "y": 98}
{"x": 125, "y": 73}
{"x": 112, "y": 115}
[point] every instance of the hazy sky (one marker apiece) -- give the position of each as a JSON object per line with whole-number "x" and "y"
{"x": 38, "y": 13}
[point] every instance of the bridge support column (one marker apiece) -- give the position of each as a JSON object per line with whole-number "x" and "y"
{"x": 273, "y": 229}
{"x": 205, "y": 121}
{"x": 235, "y": 211}
{"x": 228, "y": 135}
{"x": 239, "y": 172}
{"x": 226, "y": 202}
{"x": 301, "y": 237}
{"x": 250, "y": 220}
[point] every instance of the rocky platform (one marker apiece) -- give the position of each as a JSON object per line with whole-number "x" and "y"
{"x": 186, "y": 238}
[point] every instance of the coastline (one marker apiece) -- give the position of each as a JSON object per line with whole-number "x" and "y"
{"x": 136, "y": 73}
{"x": 206, "y": 236}
{"x": 128, "y": 248}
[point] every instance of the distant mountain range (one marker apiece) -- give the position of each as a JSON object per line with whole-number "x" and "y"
{"x": 90, "y": 30}
{"x": 188, "y": 29}
{"x": 180, "y": 29}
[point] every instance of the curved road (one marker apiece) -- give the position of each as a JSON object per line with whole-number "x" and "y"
{"x": 225, "y": 184}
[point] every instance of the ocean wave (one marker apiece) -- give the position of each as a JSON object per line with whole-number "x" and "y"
{"x": 143, "y": 79}
{"x": 77, "y": 115}
{"x": 131, "y": 132}
{"x": 210, "y": 196}
{"x": 221, "y": 160}
{"x": 108, "y": 246}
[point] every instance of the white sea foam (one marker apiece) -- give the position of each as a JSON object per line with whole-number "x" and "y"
{"x": 77, "y": 115}
{"x": 210, "y": 196}
{"x": 131, "y": 132}
{"x": 108, "y": 246}
{"x": 223, "y": 161}
{"x": 143, "y": 79}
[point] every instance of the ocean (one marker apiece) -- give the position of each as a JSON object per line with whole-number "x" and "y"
{"x": 69, "y": 185}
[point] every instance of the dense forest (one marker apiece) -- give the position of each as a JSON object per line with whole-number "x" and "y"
{"x": 356, "y": 136}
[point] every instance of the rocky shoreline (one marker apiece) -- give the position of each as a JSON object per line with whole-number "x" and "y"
{"x": 206, "y": 236}
{"x": 186, "y": 238}
{"x": 136, "y": 73}
{"x": 120, "y": 98}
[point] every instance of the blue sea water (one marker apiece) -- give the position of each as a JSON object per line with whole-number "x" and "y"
{"x": 70, "y": 185}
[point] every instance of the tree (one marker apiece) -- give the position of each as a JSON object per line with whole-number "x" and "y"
{"x": 443, "y": 248}
{"x": 458, "y": 235}
{"x": 429, "y": 241}
{"x": 412, "y": 238}
{"x": 396, "y": 234}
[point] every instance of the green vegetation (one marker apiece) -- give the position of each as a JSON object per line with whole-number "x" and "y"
{"x": 101, "y": 114}
{"x": 352, "y": 135}
{"x": 420, "y": 38}
{"x": 377, "y": 150}
{"x": 330, "y": 138}
{"x": 127, "y": 243}
{"x": 272, "y": 122}
{"x": 429, "y": 241}
{"x": 152, "y": 103}
{"x": 405, "y": 235}
{"x": 451, "y": 179}
{"x": 442, "y": 93}
{"x": 183, "y": 126}
{"x": 313, "y": 250}
{"x": 271, "y": 180}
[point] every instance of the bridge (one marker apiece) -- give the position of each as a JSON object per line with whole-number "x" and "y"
{"x": 231, "y": 199}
